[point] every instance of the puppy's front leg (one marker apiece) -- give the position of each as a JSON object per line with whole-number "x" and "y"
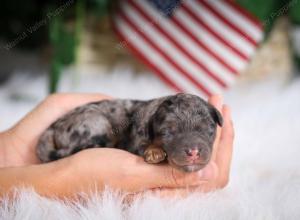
{"x": 154, "y": 154}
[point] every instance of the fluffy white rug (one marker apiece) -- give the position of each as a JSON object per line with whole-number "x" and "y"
{"x": 265, "y": 178}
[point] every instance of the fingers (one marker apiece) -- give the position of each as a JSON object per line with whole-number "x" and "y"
{"x": 217, "y": 102}
{"x": 53, "y": 107}
{"x": 166, "y": 176}
{"x": 224, "y": 154}
{"x": 58, "y": 104}
{"x": 167, "y": 193}
{"x": 214, "y": 175}
{"x": 67, "y": 101}
{"x": 171, "y": 193}
{"x": 180, "y": 192}
{"x": 169, "y": 177}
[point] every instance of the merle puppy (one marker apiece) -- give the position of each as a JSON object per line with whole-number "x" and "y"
{"x": 180, "y": 128}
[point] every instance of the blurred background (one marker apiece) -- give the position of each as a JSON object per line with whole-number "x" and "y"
{"x": 142, "y": 49}
{"x": 247, "y": 50}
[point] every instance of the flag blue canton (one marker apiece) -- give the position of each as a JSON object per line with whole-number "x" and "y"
{"x": 167, "y": 7}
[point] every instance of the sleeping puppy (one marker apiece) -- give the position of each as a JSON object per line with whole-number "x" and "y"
{"x": 179, "y": 128}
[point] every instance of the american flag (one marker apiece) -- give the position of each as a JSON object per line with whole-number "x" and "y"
{"x": 195, "y": 46}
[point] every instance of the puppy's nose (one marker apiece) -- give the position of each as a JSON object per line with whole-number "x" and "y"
{"x": 193, "y": 153}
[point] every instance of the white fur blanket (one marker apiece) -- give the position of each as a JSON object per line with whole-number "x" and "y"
{"x": 265, "y": 178}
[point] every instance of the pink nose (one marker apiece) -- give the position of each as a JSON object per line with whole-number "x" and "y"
{"x": 192, "y": 153}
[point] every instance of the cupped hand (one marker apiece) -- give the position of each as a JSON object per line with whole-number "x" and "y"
{"x": 112, "y": 167}
{"x": 18, "y": 143}
{"x": 220, "y": 161}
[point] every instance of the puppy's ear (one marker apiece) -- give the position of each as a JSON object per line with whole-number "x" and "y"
{"x": 168, "y": 102}
{"x": 159, "y": 114}
{"x": 216, "y": 115}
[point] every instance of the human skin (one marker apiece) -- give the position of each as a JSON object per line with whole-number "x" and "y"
{"x": 93, "y": 169}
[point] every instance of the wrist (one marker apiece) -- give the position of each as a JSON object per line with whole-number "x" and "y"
{"x": 84, "y": 175}
{"x": 58, "y": 179}
{"x": 14, "y": 152}
{"x": 53, "y": 179}
{"x": 5, "y": 159}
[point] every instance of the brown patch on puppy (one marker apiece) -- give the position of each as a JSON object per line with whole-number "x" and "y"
{"x": 154, "y": 154}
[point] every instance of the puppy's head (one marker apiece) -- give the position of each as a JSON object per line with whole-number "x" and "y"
{"x": 184, "y": 126}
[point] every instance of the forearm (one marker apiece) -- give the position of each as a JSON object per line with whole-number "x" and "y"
{"x": 51, "y": 180}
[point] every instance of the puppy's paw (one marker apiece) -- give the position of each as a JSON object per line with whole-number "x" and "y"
{"x": 154, "y": 155}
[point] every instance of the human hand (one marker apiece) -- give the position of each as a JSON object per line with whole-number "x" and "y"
{"x": 99, "y": 167}
{"x": 120, "y": 170}
{"x": 18, "y": 143}
{"x": 136, "y": 175}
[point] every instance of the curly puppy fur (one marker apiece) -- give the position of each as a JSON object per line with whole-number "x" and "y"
{"x": 175, "y": 125}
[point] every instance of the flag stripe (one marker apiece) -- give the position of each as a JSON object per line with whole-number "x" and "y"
{"x": 238, "y": 19}
{"x": 255, "y": 21}
{"x": 202, "y": 44}
{"x": 153, "y": 59}
{"x": 198, "y": 53}
{"x": 176, "y": 44}
{"x": 219, "y": 27}
{"x": 164, "y": 55}
{"x": 172, "y": 53}
{"x": 214, "y": 34}
{"x": 229, "y": 23}
{"x": 214, "y": 45}
{"x": 195, "y": 46}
